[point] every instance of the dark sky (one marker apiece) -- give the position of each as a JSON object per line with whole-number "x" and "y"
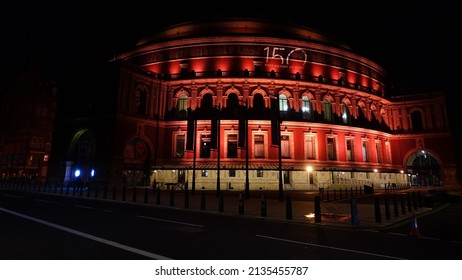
{"x": 414, "y": 41}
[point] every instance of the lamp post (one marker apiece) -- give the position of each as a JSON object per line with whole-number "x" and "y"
{"x": 309, "y": 169}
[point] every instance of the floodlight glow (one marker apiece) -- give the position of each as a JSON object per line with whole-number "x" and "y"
{"x": 77, "y": 173}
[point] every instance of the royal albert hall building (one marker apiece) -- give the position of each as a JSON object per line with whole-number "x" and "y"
{"x": 250, "y": 104}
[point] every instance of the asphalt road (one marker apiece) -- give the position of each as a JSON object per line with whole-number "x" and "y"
{"x": 43, "y": 226}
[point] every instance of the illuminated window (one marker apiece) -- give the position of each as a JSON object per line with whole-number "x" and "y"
{"x": 379, "y": 151}
{"x": 205, "y": 146}
{"x": 232, "y": 145}
{"x": 388, "y": 151}
{"x": 328, "y": 117}
{"x": 346, "y": 118}
{"x": 182, "y": 106}
{"x": 259, "y": 146}
{"x": 365, "y": 149}
{"x": 285, "y": 146}
{"x": 331, "y": 149}
{"x": 205, "y": 173}
{"x": 259, "y": 173}
{"x": 306, "y": 108}
{"x": 232, "y": 173}
{"x": 310, "y": 146}
{"x": 350, "y": 152}
{"x": 283, "y": 103}
{"x": 180, "y": 146}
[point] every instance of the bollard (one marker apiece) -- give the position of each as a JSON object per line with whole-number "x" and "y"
{"x": 327, "y": 196}
{"x": 124, "y": 193}
{"x": 105, "y": 192}
{"x": 172, "y": 196}
{"x": 134, "y": 194}
{"x": 81, "y": 192}
{"x": 354, "y": 212}
{"x": 96, "y": 191}
{"x": 317, "y": 209}
{"x": 220, "y": 202}
{"x": 288, "y": 208}
{"x": 395, "y": 206}
{"x": 378, "y": 215}
{"x": 263, "y": 211}
{"x": 114, "y": 193}
{"x": 414, "y": 200}
{"x": 158, "y": 196}
{"x": 335, "y": 195}
{"x": 403, "y": 205}
{"x": 186, "y": 198}
{"x": 241, "y": 204}
{"x": 409, "y": 205}
{"x": 146, "y": 194}
{"x": 387, "y": 208}
{"x": 203, "y": 200}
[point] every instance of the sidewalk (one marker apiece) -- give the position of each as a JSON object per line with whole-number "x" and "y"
{"x": 297, "y": 206}
{"x": 376, "y": 210}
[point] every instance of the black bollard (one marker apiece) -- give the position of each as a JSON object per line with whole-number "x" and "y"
{"x": 403, "y": 204}
{"x": 409, "y": 204}
{"x": 378, "y": 215}
{"x": 105, "y": 192}
{"x": 387, "y": 208}
{"x": 395, "y": 206}
{"x": 203, "y": 200}
{"x": 134, "y": 193}
{"x": 186, "y": 198}
{"x": 354, "y": 212}
{"x": 335, "y": 194}
{"x": 288, "y": 208}
{"x": 263, "y": 211}
{"x": 96, "y": 191}
{"x": 158, "y": 196}
{"x": 114, "y": 193}
{"x": 317, "y": 209}
{"x": 241, "y": 204}
{"x": 124, "y": 193}
{"x": 414, "y": 200}
{"x": 172, "y": 197}
{"x": 220, "y": 202}
{"x": 419, "y": 198}
{"x": 146, "y": 194}
{"x": 327, "y": 196}
{"x": 81, "y": 191}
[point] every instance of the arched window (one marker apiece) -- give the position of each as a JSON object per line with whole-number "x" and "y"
{"x": 346, "y": 117}
{"x": 182, "y": 106}
{"x": 207, "y": 103}
{"x": 258, "y": 102}
{"x": 283, "y": 103}
{"x": 306, "y": 108}
{"x": 327, "y": 111}
{"x": 233, "y": 105}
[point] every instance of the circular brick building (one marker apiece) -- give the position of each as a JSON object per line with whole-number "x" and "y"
{"x": 253, "y": 104}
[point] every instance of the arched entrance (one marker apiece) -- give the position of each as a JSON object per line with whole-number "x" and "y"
{"x": 424, "y": 169}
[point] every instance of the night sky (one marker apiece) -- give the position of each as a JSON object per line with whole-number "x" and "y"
{"x": 415, "y": 41}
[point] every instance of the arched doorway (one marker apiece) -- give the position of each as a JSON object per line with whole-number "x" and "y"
{"x": 424, "y": 169}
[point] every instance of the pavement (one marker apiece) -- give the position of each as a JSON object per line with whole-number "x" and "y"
{"x": 347, "y": 208}
{"x": 380, "y": 209}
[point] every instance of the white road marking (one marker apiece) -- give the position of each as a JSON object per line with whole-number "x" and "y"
{"x": 170, "y": 221}
{"x": 329, "y": 247}
{"x": 46, "y": 201}
{"x": 89, "y": 236}
{"x": 83, "y": 206}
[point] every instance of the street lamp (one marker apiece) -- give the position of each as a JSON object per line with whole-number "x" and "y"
{"x": 309, "y": 169}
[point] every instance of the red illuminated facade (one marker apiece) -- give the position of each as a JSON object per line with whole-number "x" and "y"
{"x": 246, "y": 104}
